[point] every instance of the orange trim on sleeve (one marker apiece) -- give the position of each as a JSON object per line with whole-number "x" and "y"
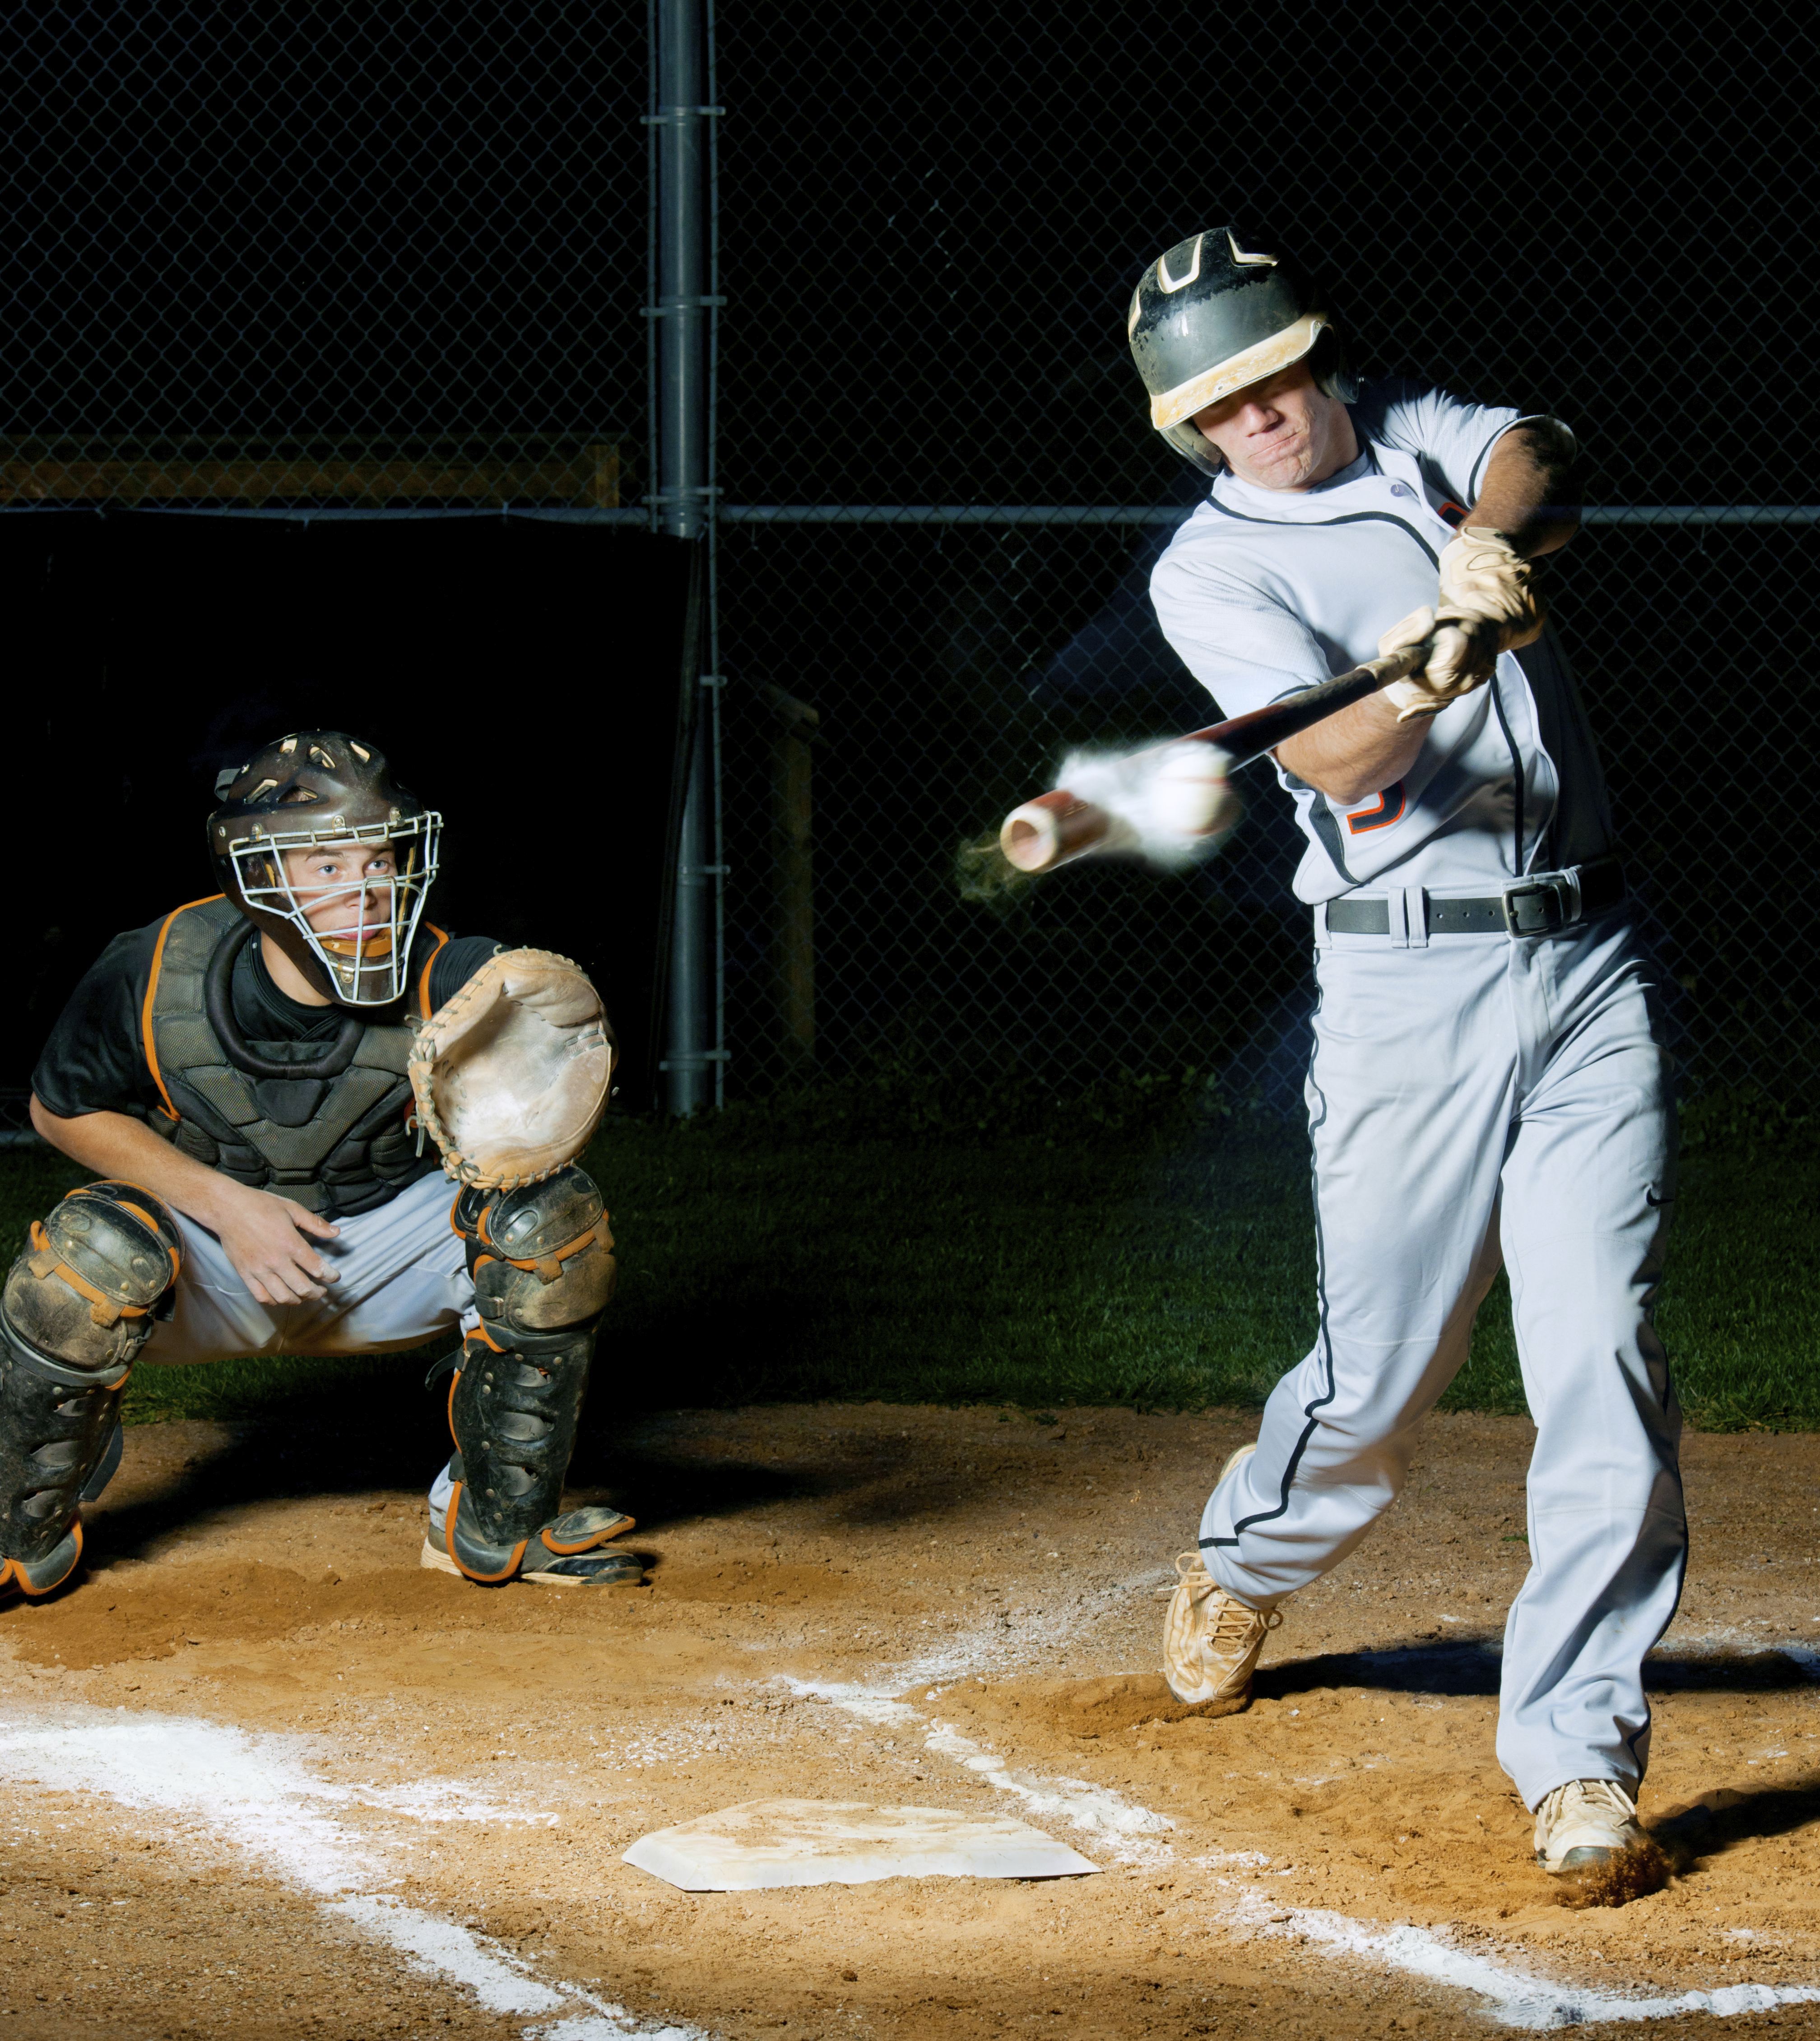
{"x": 151, "y": 993}
{"x": 441, "y": 935}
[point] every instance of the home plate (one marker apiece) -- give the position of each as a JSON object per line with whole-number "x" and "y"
{"x": 763, "y": 1843}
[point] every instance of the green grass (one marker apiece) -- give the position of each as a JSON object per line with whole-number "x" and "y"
{"x": 1039, "y": 1255}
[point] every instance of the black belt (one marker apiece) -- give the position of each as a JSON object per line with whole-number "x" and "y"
{"x": 1537, "y": 907}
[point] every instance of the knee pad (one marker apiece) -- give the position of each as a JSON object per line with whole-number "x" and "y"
{"x": 78, "y": 1305}
{"x": 87, "y": 1288}
{"x": 541, "y": 1258}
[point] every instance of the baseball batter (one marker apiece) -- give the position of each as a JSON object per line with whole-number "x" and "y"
{"x": 241, "y": 1076}
{"x": 1487, "y": 1083}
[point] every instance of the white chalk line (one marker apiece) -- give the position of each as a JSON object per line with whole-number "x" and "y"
{"x": 1117, "y": 1824}
{"x": 1806, "y": 1656}
{"x": 1518, "y": 1998}
{"x": 254, "y": 1793}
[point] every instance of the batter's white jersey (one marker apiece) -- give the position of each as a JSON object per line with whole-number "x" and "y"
{"x": 1264, "y": 593}
{"x": 1473, "y": 1095}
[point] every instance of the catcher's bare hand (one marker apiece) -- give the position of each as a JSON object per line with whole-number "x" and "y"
{"x": 267, "y": 1238}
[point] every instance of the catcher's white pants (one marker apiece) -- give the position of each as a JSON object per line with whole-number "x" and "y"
{"x": 1481, "y": 1093}
{"x": 401, "y": 1279}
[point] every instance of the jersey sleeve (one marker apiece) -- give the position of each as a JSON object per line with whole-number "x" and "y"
{"x": 1452, "y": 439}
{"x": 1245, "y": 649}
{"x": 95, "y": 1060}
{"x": 456, "y": 962}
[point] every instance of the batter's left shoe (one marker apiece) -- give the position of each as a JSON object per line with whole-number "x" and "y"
{"x": 1211, "y": 1638}
{"x": 1234, "y": 1460}
{"x": 1585, "y": 1823}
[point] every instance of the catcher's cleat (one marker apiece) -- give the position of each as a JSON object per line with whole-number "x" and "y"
{"x": 567, "y": 1549}
{"x": 1211, "y": 1639}
{"x": 1585, "y": 1823}
{"x": 602, "y": 1567}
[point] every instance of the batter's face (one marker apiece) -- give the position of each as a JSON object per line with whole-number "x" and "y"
{"x": 343, "y": 885}
{"x": 1283, "y": 433}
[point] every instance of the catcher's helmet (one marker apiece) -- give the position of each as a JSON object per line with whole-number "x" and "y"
{"x": 324, "y": 787}
{"x": 1211, "y": 316}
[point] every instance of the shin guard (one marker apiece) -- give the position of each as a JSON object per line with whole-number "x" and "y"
{"x": 79, "y": 1303}
{"x": 57, "y": 1426}
{"x": 542, "y": 1262}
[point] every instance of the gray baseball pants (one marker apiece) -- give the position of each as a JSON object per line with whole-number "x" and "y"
{"x": 401, "y": 1279}
{"x": 1476, "y": 1099}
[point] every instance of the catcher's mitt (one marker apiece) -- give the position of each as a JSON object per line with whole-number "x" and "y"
{"x": 511, "y": 1075}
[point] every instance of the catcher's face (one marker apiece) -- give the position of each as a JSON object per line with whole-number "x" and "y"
{"x": 342, "y": 887}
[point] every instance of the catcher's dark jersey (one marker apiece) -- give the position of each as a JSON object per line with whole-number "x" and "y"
{"x": 95, "y": 1058}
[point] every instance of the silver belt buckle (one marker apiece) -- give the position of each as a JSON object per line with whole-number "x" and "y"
{"x": 1542, "y": 905}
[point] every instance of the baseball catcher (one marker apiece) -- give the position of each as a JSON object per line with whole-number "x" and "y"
{"x": 256, "y": 1079}
{"x": 1487, "y": 1083}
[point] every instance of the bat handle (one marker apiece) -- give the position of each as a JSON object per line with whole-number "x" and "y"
{"x": 1052, "y": 828}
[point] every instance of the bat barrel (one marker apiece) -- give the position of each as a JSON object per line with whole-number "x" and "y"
{"x": 1051, "y": 829}
{"x": 1054, "y": 828}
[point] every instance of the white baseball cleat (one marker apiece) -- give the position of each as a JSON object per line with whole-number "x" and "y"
{"x": 1211, "y": 1639}
{"x": 1233, "y": 1460}
{"x": 1586, "y": 1822}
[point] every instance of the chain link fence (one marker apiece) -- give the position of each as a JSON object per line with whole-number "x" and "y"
{"x": 395, "y": 261}
{"x": 316, "y": 255}
{"x": 940, "y": 495}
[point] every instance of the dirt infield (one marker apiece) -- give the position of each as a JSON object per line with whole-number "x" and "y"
{"x": 266, "y": 1775}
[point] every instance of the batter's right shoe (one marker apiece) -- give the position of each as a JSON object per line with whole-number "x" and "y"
{"x": 1211, "y": 1639}
{"x": 1585, "y": 1823}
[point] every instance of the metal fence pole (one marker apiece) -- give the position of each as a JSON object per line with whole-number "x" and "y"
{"x": 683, "y": 503}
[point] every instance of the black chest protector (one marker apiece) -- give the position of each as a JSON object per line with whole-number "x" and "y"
{"x": 321, "y": 1123}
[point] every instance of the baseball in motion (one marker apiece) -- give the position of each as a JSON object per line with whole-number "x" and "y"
{"x": 1487, "y": 1087}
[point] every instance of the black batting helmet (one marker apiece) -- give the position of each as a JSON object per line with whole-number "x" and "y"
{"x": 1212, "y": 316}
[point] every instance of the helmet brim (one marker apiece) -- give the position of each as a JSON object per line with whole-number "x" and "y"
{"x": 1253, "y": 365}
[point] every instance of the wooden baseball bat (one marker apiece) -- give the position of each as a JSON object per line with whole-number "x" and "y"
{"x": 1054, "y": 828}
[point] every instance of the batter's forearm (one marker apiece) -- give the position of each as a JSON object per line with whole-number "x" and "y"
{"x": 113, "y": 1144}
{"x": 1531, "y": 491}
{"x": 1355, "y": 754}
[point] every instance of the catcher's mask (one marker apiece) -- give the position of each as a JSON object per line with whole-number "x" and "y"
{"x": 320, "y": 787}
{"x": 1211, "y": 317}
